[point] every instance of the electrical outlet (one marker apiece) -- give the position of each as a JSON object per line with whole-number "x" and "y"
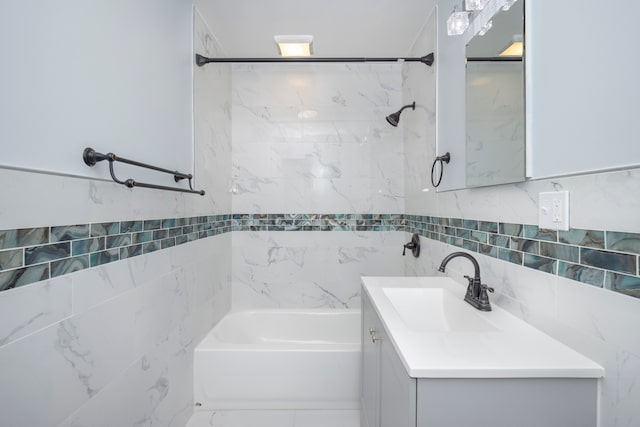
{"x": 553, "y": 210}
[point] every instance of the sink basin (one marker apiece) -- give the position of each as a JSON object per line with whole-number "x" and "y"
{"x": 435, "y": 310}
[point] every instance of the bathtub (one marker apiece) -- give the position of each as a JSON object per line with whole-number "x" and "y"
{"x": 280, "y": 359}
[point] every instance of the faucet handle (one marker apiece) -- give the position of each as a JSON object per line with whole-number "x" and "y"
{"x": 487, "y": 288}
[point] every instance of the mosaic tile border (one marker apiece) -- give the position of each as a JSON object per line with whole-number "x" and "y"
{"x": 605, "y": 259}
{"x": 318, "y": 222}
{"x": 29, "y": 255}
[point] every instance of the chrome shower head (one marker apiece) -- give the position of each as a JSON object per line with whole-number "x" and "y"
{"x": 394, "y": 118}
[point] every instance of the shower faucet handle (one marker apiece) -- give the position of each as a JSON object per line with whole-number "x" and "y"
{"x": 414, "y": 245}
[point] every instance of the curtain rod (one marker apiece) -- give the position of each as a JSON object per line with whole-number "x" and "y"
{"x": 202, "y": 60}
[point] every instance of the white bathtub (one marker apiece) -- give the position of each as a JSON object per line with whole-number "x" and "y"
{"x": 280, "y": 359}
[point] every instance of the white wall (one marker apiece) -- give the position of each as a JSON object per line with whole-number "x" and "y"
{"x": 596, "y": 322}
{"x": 113, "y": 345}
{"x": 344, "y": 160}
{"x": 69, "y": 80}
{"x": 582, "y": 94}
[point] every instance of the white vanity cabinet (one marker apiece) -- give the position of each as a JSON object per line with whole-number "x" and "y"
{"x": 388, "y": 394}
{"x": 391, "y": 397}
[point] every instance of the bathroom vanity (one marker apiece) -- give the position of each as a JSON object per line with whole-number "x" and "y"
{"x": 431, "y": 360}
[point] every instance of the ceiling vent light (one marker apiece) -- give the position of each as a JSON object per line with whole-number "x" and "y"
{"x": 515, "y": 48}
{"x": 294, "y": 46}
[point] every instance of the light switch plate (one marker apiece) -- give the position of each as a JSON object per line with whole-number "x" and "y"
{"x": 553, "y": 210}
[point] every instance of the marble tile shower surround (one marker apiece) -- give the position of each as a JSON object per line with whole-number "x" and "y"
{"x": 312, "y": 268}
{"x": 313, "y": 138}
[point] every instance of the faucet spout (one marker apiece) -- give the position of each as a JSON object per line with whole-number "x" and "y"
{"x": 476, "y": 292}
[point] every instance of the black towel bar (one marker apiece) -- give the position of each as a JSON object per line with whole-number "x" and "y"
{"x": 91, "y": 157}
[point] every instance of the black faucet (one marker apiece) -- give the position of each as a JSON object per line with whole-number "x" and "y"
{"x": 476, "y": 292}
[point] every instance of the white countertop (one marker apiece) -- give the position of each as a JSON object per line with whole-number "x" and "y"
{"x": 514, "y": 349}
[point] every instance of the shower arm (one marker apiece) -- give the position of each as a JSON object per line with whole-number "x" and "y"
{"x": 203, "y": 60}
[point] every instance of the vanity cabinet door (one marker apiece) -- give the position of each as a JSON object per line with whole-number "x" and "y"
{"x": 397, "y": 389}
{"x": 370, "y": 375}
{"x": 388, "y": 394}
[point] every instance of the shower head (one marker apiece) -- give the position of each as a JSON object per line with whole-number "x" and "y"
{"x": 394, "y": 118}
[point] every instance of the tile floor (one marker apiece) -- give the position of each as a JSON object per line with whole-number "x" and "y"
{"x": 276, "y": 418}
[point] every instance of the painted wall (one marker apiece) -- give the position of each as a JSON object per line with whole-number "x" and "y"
{"x": 592, "y": 319}
{"x": 70, "y": 80}
{"x": 311, "y": 141}
{"x": 591, "y": 99}
{"x": 113, "y": 344}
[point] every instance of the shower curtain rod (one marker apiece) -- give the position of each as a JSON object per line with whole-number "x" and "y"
{"x": 202, "y": 60}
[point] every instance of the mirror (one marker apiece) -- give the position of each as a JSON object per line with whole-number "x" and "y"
{"x": 495, "y": 102}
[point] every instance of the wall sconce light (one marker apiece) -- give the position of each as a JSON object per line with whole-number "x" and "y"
{"x": 485, "y": 28}
{"x": 507, "y": 4}
{"x": 475, "y": 4}
{"x": 294, "y": 46}
{"x": 458, "y": 22}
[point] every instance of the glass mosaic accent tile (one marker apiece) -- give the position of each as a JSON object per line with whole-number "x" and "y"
{"x": 624, "y": 263}
{"x": 130, "y": 226}
{"x": 558, "y": 251}
{"x": 44, "y": 253}
{"x": 623, "y": 242}
{"x": 23, "y": 237}
{"x": 623, "y": 283}
{"x": 547, "y": 265}
{"x": 591, "y": 276}
{"x": 588, "y": 238}
{"x": 577, "y": 254}
{"x": 11, "y": 259}
{"x": 85, "y": 246}
{"x": 606, "y": 259}
{"x": 30, "y": 255}
{"x": 72, "y": 232}
{"x": 105, "y": 229}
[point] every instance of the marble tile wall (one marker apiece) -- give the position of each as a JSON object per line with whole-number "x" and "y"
{"x": 603, "y": 211}
{"x": 112, "y": 344}
{"x": 313, "y": 138}
{"x": 311, "y": 260}
{"x": 310, "y": 269}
